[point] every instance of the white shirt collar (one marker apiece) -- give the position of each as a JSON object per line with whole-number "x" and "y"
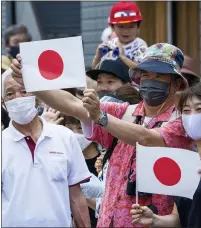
{"x": 17, "y": 136}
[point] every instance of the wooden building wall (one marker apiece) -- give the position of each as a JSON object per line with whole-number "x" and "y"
{"x": 185, "y": 23}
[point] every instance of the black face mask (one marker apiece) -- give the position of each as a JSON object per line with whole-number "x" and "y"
{"x": 14, "y": 50}
{"x": 108, "y": 96}
{"x": 154, "y": 92}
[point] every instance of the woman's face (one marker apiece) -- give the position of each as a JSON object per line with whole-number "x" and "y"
{"x": 192, "y": 106}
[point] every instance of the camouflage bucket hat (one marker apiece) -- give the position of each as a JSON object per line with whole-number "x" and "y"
{"x": 161, "y": 58}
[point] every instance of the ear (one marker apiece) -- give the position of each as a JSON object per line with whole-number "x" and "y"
{"x": 178, "y": 85}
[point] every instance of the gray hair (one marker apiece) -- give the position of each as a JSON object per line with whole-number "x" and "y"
{"x": 7, "y": 75}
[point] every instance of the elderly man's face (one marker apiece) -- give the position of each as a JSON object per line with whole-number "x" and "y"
{"x": 157, "y": 76}
{"x": 14, "y": 90}
{"x": 167, "y": 78}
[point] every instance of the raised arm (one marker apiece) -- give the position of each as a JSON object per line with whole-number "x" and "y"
{"x": 125, "y": 131}
{"x": 132, "y": 133}
{"x": 58, "y": 99}
{"x": 64, "y": 102}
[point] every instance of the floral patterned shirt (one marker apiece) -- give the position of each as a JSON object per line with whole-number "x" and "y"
{"x": 135, "y": 50}
{"x": 116, "y": 204}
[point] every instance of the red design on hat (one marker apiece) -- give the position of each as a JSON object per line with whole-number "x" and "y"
{"x": 159, "y": 45}
{"x": 125, "y": 12}
{"x": 174, "y": 53}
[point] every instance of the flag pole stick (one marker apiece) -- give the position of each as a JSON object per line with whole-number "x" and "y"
{"x": 136, "y": 181}
{"x": 86, "y": 88}
{"x": 136, "y": 193}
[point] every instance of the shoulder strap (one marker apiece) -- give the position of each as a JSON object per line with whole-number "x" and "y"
{"x": 128, "y": 114}
{"x": 131, "y": 108}
{"x": 126, "y": 117}
{"x": 174, "y": 116}
{"x": 109, "y": 152}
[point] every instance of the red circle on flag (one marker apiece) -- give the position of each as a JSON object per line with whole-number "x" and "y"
{"x": 50, "y": 64}
{"x": 167, "y": 171}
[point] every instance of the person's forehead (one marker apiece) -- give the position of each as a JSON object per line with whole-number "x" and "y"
{"x": 155, "y": 74}
{"x": 192, "y": 101}
{"x": 18, "y": 36}
{"x": 127, "y": 24}
{"x": 107, "y": 76}
{"x": 12, "y": 84}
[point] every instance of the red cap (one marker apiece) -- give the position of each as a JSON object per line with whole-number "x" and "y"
{"x": 125, "y": 12}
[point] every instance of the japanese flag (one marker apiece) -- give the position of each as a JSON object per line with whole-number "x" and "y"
{"x": 53, "y": 64}
{"x": 167, "y": 171}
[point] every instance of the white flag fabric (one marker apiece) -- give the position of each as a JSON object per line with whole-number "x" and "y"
{"x": 168, "y": 171}
{"x": 53, "y": 64}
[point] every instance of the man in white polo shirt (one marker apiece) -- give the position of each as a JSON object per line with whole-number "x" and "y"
{"x": 42, "y": 167}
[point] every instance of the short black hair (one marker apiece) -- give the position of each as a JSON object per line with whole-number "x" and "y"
{"x": 4, "y": 117}
{"x": 16, "y": 29}
{"x": 71, "y": 90}
{"x": 194, "y": 91}
{"x": 79, "y": 92}
{"x": 192, "y": 79}
{"x": 138, "y": 24}
{"x": 71, "y": 120}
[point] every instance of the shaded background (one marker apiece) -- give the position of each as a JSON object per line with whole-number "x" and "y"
{"x": 176, "y": 22}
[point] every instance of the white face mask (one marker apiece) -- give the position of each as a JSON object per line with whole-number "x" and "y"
{"x": 192, "y": 125}
{"x": 22, "y": 110}
{"x": 84, "y": 143}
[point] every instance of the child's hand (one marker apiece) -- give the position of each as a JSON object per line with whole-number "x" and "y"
{"x": 51, "y": 115}
{"x": 121, "y": 50}
{"x": 99, "y": 49}
{"x": 98, "y": 56}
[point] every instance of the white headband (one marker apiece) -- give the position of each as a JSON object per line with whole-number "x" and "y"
{"x": 5, "y": 77}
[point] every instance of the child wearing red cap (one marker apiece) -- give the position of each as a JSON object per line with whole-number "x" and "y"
{"x": 125, "y": 18}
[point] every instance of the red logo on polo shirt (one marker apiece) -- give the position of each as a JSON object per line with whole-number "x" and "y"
{"x": 54, "y": 152}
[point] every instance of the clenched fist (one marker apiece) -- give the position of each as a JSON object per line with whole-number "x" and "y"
{"x": 92, "y": 104}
